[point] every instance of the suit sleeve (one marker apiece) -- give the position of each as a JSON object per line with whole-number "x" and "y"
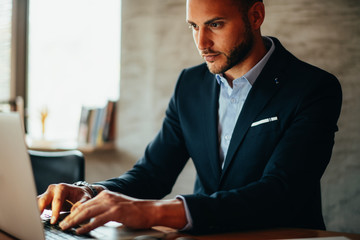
{"x": 154, "y": 175}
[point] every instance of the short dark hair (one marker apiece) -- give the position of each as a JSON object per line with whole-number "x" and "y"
{"x": 245, "y": 5}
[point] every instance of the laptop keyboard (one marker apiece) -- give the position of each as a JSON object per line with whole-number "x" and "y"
{"x": 54, "y": 232}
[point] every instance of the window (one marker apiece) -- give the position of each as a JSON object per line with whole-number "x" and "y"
{"x": 5, "y": 49}
{"x": 73, "y": 61}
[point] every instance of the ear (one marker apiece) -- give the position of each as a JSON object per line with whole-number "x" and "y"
{"x": 256, "y": 15}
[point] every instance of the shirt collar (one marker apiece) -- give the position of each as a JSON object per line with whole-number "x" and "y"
{"x": 254, "y": 72}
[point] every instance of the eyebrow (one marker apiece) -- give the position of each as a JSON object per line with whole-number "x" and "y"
{"x": 213, "y": 20}
{"x": 209, "y": 21}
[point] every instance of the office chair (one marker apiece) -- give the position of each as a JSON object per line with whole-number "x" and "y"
{"x": 56, "y": 167}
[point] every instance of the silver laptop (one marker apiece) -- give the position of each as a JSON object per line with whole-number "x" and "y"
{"x": 19, "y": 214}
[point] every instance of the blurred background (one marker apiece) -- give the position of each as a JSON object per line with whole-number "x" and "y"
{"x": 63, "y": 55}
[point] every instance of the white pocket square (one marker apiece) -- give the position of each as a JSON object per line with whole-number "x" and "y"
{"x": 266, "y": 120}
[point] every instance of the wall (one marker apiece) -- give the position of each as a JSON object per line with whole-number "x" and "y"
{"x": 157, "y": 44}
{"x": 327, "y": 34}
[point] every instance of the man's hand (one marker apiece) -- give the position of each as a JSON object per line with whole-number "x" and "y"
{"x": 56, "y": 195}
{"x": 133, "y": 213}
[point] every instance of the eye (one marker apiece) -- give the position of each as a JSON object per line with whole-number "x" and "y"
{"x": 215, "y": 25}
{"x": 193, "y": 26}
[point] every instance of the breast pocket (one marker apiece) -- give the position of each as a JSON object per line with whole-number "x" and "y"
{"x": 264, "y": 126}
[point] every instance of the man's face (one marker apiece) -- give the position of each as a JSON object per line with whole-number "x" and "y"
{"x": 221, "y": 33}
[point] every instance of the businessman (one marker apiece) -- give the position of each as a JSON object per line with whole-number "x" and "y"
{"x": 258, "y": 123}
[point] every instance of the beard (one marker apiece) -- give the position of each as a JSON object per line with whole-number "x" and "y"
{"x": 236, "y": 55}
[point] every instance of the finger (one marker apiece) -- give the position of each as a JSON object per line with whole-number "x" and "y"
{"x": 81, "y": 214}
{"x": 95, "y": 222}
{"x": 44, "y": 201}
{"x": 57, "y": 203}
{"x": 78, "y": 203}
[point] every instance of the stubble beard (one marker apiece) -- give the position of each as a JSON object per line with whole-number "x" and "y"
{"x": 237, "y": 54}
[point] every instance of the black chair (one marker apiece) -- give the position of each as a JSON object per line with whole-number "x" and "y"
{"x": 56, "y": 167}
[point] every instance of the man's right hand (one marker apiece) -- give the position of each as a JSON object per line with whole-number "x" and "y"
{"x": 57, "y": 196}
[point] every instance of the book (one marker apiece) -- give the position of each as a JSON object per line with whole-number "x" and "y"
{"x": 97, "y": 125}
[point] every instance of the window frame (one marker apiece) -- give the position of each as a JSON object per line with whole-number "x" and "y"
{"x": 19, "y": 40}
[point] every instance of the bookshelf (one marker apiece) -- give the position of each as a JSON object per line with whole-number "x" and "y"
{"x": 97, "y": 130}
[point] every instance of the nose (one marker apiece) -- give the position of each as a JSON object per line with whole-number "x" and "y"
{"x": 203, "y": 39}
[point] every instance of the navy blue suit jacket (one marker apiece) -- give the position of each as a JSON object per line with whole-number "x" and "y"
{"x": 272, "y": 171}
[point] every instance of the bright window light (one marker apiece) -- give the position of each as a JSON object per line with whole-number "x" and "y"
{"x": 5, "y": 47}
{"x": 73, "y": 61}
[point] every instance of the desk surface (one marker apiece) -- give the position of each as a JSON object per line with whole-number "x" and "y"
{"x": 276, "y": 234}
{"x": 249, "y": 235}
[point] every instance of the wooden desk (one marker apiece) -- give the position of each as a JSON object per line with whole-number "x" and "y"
{"x": 274, "y": 234}
{"x": 249, "y": 235}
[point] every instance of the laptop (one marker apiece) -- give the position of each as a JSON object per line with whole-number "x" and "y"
{"x": 19, "y": 213}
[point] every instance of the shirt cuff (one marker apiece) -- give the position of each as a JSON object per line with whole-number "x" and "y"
{"x": 189, "y": 224}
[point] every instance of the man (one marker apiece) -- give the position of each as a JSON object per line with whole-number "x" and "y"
{"x": 258, "y": 124}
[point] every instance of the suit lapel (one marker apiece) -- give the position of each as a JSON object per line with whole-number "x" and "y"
{"x": 262, "y": 91}
{"x": 210, "y": 123}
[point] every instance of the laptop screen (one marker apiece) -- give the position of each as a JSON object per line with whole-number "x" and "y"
{"x": 18, "y": 205}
